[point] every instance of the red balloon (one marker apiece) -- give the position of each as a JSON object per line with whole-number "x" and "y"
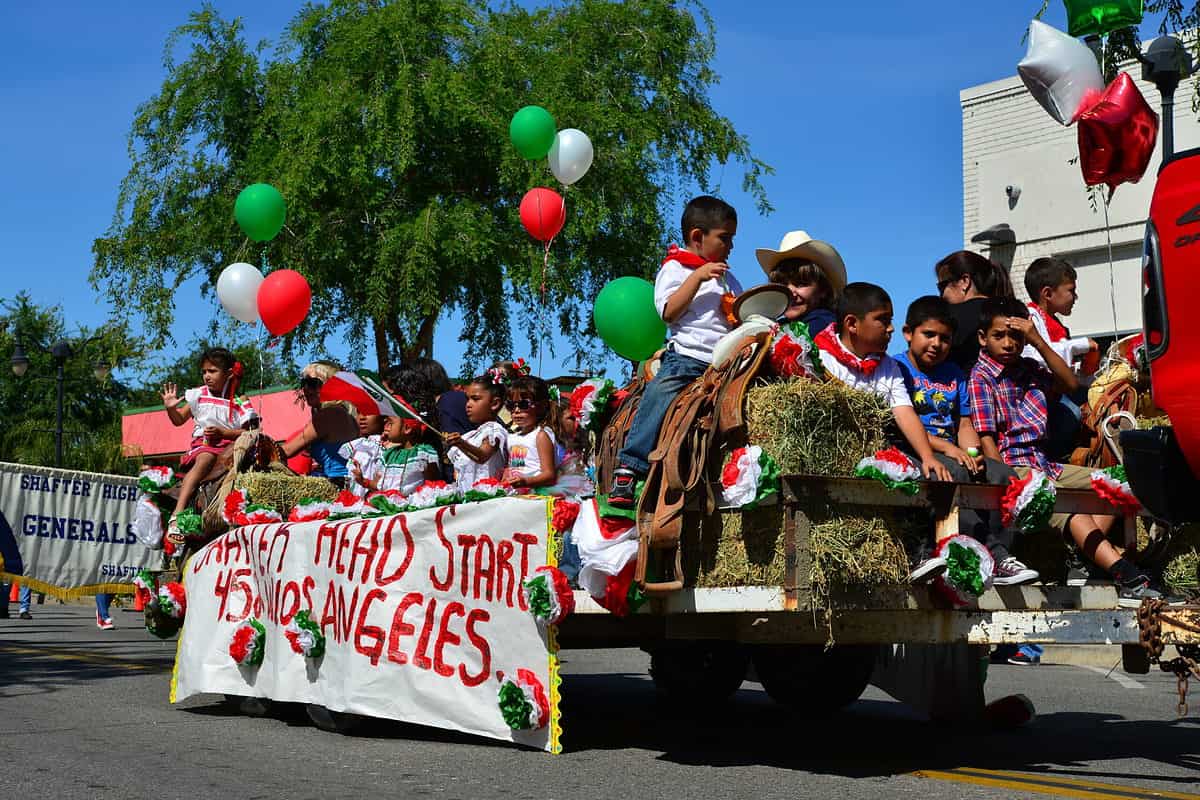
{"x": 1117, "y": 135}
{"x": 543, "y": 213}
{"x": 284, "y": 298}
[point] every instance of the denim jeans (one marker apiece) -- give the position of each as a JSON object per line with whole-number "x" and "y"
{"x": 569, "y": 562}
{"x": 102, "y": 601}
{"x": 675, "y": 372}
{"x": 26, "y": 595}
{"x": 1062, "y": 429}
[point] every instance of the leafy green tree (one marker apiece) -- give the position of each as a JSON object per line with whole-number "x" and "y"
{"x": 263, "y": 368}
{"x": 385, "y": 125}
{"x": 91, "y": 408}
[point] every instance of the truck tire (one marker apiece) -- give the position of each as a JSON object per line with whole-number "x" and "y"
{"x": 692, "y": 674}
{"x": 812, "y": 680}
{"x": 332, "y": 721}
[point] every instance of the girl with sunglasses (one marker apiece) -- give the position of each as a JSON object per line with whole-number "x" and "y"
{"x": 531, "y": 446}
{"x": 481, "y": 452}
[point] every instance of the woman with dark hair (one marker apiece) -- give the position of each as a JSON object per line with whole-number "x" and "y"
{"x": 424, "y": 384}
{"x": 965, "y": 280}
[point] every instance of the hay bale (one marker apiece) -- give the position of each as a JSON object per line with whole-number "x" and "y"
{"x": 283, "y": 490}
{"x": 816, "y": 428}
{"x": 1181, "y": 573}
{"x": 737, "y": 549}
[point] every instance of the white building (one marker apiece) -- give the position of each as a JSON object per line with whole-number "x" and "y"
{"x": 1020, "y": 168}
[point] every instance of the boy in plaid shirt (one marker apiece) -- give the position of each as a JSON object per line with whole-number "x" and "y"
{"x": 1010, "y": 398}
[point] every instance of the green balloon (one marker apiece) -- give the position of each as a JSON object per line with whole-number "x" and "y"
{"x": 1087, "y": 17}
{"x": 627, "y": 320}
{"x": 532, "y": 131}
{"x": 260, "y": 211}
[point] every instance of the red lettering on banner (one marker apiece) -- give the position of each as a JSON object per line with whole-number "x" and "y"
{"x": 477, "y": 615}
{"x": 484, "y": 570}
{"x": 283, "y": 532}
{"x": 309, "y": 584}
{"x": 213, "y": 551}
{"x": 327, "y": 531}
{"x": 445, "y": 637}
{"x": 525, "y": 540}
{"x": 465, "y": 541}
{"x": 233, "y": 544}
{"x": 343, "y": 543}
{"x": 329, "y": 612}
{"x": 289, "y": 608}
{"x": 504, "y": 569}
{"x": 345, "y": 612}
{"x": 421, "y": 656}
{"x": 221, "y": 590}
{"x": 368, "y": 552}
{"x": 236, "y": 583}
{"x": 443, "y": 585}
{"x": 401, "y": 628}
{"x": 380, "y": 580}
{"x": 372, "y": 633}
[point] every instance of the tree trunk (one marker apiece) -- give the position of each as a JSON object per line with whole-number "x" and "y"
{"x": 422, "y": 347}
{"x": 381, "y": 345}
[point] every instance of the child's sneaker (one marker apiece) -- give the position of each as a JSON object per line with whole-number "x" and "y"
{"x": 1023, "y": 659}
{"x": 1082, "y": 573}
{"x": 1011, "y": 572}
{"x": 927, "y": 570}
{"x": 104, "y": 623}
{"x": 1131, "y": 594}
{"x": 623, "y": 492}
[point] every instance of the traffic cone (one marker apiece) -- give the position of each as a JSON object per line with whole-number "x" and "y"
{"x": 14, "y": 595}
{"x": 139, "y": 604}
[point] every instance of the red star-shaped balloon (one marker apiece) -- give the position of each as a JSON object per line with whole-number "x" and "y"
{"x": 1117, "y": 135}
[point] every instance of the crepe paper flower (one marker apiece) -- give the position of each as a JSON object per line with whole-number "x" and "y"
{"x": 248, "y": 645}
{"x": 261, "y": 515}
{"x": 608, "y": 548}
{"x": 892, "y": 468}
{"x": 497, "y": 375}
{"x": 523, "y": 702}
{"x": 190, "y": 523}
{"x": 234, "y": 510}
{"x": 794, "y": 353}
{"x": 1028, "y": 502}
{"x": 968, "y": 572}
{"x": 172, "y": 600}
{"x": 434, "y": 493}
{"x": 144, "y": 586}
{"x": 387, "y": 502}
{"x": 749, "y": 477}
{"x": 548, "y": 595}
{"x": 521, "y": 368}
{"x": 156, "y": 480}
{"x": 346, "y": 504}
{"x": 487, "y": 489}
{"x": 564, "y": 515}
{"x": 590, "y": 403}
{"x": 309, "y": 509}
{"x": 159, "y": 623}
{"x": 1113, "y": 485}
{"x": 304, "y": 635}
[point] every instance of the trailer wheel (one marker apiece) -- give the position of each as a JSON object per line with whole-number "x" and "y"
{"x": 688, "y": 673}
{"x": 333, "y": 721}
{"x": 811, "y": 680}
{"x": 250, "y": 706}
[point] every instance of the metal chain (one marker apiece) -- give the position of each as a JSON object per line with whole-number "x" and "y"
{"x": 1187, "y": 664}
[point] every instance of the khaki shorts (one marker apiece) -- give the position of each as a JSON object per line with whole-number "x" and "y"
{"x": 1073, "y": 477}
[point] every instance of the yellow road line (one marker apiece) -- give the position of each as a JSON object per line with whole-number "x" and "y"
{"x": 73, "y": 655}
{"x": 1051, "y": 785}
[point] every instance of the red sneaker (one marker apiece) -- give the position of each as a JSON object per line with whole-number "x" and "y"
{"x": 104, "y": 623}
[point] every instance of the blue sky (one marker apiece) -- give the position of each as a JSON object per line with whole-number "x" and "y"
{"x": 855, "y": 106}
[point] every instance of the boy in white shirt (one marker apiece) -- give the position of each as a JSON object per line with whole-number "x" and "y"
{"x": 693, "y": 293}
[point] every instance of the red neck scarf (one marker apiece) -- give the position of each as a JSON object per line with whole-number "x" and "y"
{"x": 1056, "y": 329}
{"x": 685, "y": 257}
{"x": 831, "y": 343}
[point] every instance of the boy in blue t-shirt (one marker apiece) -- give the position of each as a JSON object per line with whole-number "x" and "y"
{"x": 939, "y": 393}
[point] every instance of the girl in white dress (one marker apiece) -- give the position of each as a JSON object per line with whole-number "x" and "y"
{"x": 531, "y": 446}
{"x": 483, "y": 452}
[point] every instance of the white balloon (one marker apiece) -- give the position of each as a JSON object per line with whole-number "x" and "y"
{"x": 570, "y": 155}
{"x": 1060, "y": 72}
{"x": 237, "y": 289}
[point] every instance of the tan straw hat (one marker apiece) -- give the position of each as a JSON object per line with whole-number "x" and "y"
{"x": 798, "y": 244}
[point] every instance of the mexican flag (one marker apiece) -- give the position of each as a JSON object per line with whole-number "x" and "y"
{"x": 368, "y": 397}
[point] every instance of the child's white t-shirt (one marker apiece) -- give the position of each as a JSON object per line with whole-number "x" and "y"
{"x": 367, "y": 453}
{"x": 523, "y": 452}
{"x": 466, "y": 470}
{"x": 1069, "y": 350}
{"x": 702, "y": 324}
{"x": 886, "y": 381}
{"x": 209, "y": 409}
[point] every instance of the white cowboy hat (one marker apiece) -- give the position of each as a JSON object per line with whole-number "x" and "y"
{"x": 798, "y": 244}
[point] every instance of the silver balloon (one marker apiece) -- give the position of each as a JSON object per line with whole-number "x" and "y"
{"x": 1060, "y": 72}
{"x": 570, "y": 155}
{"x": 237, "y": 289}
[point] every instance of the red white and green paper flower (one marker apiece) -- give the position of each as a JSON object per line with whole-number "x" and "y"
{"x": 563, "y": 517}
{"x": 172, "y": 600}
{"x": 309, "y": 509}
{"x": 261, "y": 515}
{"x": 1113, "y": 485}
{"x": 248, "y": 645}
{"x": 190, "y": 524}
{"x": 608, "y": 548}
{"x": 387, "y": 502}
{"x": 794, "y": 353}
{"x": 487, "y": 489}
{"x": 968, "y": 572}
{"x": 304, "y": 635}
{"x": 156, "y": 480}
{"x": 346, "y": 504}
{"x": 434, "y": 493}
{"x": 144, "y": 586}
{"x": 234, "y": 510}
{"x": 892, "y": 468}
{"x": 749, "y": 477}
{"x": 523, "y": 702}
{"x": 1028, "y": 502}
{"x": 548, "y": 595}
{"x": 590, "y": 402}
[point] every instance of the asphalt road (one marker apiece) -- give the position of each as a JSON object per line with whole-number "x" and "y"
{"x": 84, "y": 714}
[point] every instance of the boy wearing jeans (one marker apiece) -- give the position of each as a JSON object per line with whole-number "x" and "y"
{"x": 690, "y": 294}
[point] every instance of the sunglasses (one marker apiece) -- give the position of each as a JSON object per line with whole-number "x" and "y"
{"x": 309, "y": 382}
{"x": 941, "y": 285}
{"x": 519, "y": 405}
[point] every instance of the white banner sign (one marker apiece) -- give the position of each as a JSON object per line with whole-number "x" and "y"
{"x": 422, "y": 613}
{"x": 69, "y": 533}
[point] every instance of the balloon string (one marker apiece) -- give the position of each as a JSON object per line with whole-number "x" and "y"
{"x": 1112, "y": 281}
